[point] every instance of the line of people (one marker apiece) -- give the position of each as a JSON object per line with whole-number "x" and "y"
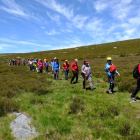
{"x": 15, "y": 62}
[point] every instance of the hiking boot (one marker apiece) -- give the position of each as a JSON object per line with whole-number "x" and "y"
{"x": 110, "y": 92}
{"x": 93, "y": 88}
{"x": 133, "y": 98}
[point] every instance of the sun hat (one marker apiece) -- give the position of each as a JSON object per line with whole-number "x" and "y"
{"x": 76, "y": 60}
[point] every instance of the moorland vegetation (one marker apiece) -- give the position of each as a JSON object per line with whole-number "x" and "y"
{"x": 63, "y": 111}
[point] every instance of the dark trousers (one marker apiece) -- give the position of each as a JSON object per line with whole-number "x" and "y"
{"x": 31, "y": 67}
{"x": 41, "y": 69}
{"x": 46, "y": 68}
{"x": 75, "y": 74}
{"x": 111, "y": 80}
{"x": 137, "y": 88}
{"x": 66, "y": 73}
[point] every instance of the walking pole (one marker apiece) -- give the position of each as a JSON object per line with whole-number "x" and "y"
{"x": 85, "y": 81}
{"x": 105, "y": 84}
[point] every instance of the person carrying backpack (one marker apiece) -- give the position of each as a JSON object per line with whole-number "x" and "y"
{"x": 136, "y": 74}
{"x": 24, "y": 62}
{"x": 56, "y": 69}
{"x": 40, "y": 65}
{"x": 110, "y": 70}
{"x": 86, "y": 74}
{"x": 66, "y": 66}
{"x": 46, "y": 64}
{"x": 75, "y": 70}
{"x": 35, "y": 66}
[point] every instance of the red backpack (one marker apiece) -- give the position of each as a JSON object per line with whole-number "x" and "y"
{"x": 112, "y": 68}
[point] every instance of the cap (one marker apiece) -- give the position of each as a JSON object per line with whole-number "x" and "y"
{"x": 55, "y": 58}
{"x": 86, "y": 62}
{"x": 109, "y": 58}
{"x": 76, "y": 60}
{"x": 66, "y": 60}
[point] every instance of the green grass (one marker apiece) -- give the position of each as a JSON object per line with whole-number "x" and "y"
{"x": 60, "y": 110}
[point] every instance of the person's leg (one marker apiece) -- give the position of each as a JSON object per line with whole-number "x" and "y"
{"x": 76, "y": 75}
{"x": 111, "y": 80}
{"x": 136, "y": 89}
{"x": 83, "y": 75}
{"x": 57, "y": 74}
{"x": 54, "y": 74}
{"x": 73, "y": 77}
{"x": 90, "y": 83}
{"x": 65, "y": 74}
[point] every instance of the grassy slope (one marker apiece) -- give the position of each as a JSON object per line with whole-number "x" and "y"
{"x": 67, "y": 111}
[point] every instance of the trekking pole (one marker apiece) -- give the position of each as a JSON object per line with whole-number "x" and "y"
{"x": 105, "y": 84}
{"x": 85, "y": 81}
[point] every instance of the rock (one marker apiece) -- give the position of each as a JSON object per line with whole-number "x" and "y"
{"x": 21, "y": 127}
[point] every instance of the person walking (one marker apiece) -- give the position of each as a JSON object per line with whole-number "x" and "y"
{"x": 35, "y": 66}
{"x": 86, "y": 74}
{"x": 66, "y": 66}
{"x": 137, "y": 72}
{"x": 46, "y": 64}
{"x": 40, "y": 65}
{"x": 24, "y": 62}
{"x": 52, "y": 63}
{"x": 75, "y": 70}
{"x": 18, "y": 62}
{"x": 110, "y": 70}
{"x": 30, "y": 63}
{"x": 56, "y": 69}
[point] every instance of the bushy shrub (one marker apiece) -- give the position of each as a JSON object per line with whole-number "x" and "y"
{"x": 124, "y": 86}
{"x": 8, "y": 105}
{"x": 131, "y": 88}
{"x": 125, "y": 129}
{"x": 76, "y": 105}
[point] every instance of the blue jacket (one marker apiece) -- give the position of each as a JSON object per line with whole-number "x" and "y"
{"x": 107, "y": 70}
{"x": 56, "y": 66}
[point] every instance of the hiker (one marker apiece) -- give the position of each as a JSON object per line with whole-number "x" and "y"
{"x": 56, "y": 69}
{"x": 18, "y": 62}
{"x": 40, "y": 65}
{"x": 46, "y": 64}
{"x": 75, "y": 70}
{"x": 30, "y": 63}
{"x": 35, "y": 66}
{"x": 9, "y": 61}
{"x": 136, "y": 74}
{"x": 45, "y": 59}
{"x": 86, "y": 74}
{"x": 110, "y": 70}
{"x": 24, "y": 62}
{"x": 65, "y": 67}
{"x": 52, "y": 63}
{"x": 15, "y": 62}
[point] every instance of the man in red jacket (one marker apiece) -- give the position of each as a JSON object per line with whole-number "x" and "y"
{"x": 66, "y": 66}
{"x": 75, "y": 71}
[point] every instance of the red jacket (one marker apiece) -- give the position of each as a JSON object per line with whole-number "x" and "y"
{"x": 66, "y": 66}
{"x": 74, "y": 66}
{"x": 139, "y": 69}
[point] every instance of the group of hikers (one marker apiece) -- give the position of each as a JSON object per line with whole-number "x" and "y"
{"x": 110, "y": 69}
{"x": 15, "y": 62}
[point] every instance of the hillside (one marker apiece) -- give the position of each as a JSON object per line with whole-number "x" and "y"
{"x": 63, "y": 111}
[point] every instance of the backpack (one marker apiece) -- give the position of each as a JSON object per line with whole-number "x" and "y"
{"x": 136, "y": 72}
{"x": 112, "y": 68}
{"x": 30, "y": 62}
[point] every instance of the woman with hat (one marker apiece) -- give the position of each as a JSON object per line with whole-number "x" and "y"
{"x": 110, "y": 73}
{"x": 86, "y": 74}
